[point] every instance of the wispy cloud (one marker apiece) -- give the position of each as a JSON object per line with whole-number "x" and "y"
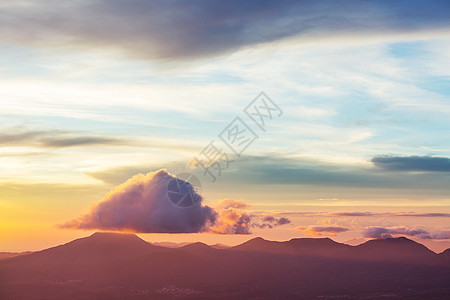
{"x": 56, "y": 139}
{"x": 321, "y": 230}
{"x": 367, "y": 214}
{"x": 120, "y": 174}
{"x": 81, "y": 141}
{"x": 231, "y": 203}
{"x": 389, "y": 232}
{"x": 64, "y": 139}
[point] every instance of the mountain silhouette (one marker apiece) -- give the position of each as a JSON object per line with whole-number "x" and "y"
{"x": 445, "y": 256}
{"x": 322, "y": 247}
{"x": 123, "y": 266}
{"x": 390, "y": 249}
{"x": 198, "y": 248}
{"x": 395, "y": 249}
{"x": 101, "y": 247}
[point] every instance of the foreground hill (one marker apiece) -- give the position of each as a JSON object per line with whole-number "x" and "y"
{"x": 123, "y": 266}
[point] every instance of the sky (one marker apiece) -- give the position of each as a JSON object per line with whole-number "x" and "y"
{"x": 356, "y": 119}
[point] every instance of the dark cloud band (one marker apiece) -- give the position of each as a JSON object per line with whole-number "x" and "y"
{"x": 194, "y": 29}
{"x": 413, "y": 163}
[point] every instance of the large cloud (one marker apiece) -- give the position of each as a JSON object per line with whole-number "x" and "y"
{"x": 190, "y": 29}
{"x": 141, "y": 204}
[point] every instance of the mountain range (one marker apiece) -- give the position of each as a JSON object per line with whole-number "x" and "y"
{"x": 123, "y": 266}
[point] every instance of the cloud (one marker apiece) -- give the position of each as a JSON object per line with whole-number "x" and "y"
{"x": 7, "y": 139}
{"x": 80, "y": 141}
{"x": 288, "y": 170}
{"x": 18, "y": 137}
{"x": 141, "y": 204}
{"x": 441, "y": 235}
{"x": 412, "y": 163}
{"x": 231, "y": 218}
{"x": 182, "y": 30}
{"x": 276, "y": 221}
{"x": 230, "y": 203}
{"x": 389, "y": 232}
{"x": 425, "y": 215}
{"x": 117, "y": 175}
{"x": 381, "y": 232}
{"x": 366, "y": 214}
{"x": 269, "y": 221}
{"x": 232, "y": 221}
{"x": 55, "y": 139}
{"x": 282, "y": 221}
{"x": 349, "y": 214}
{"x": 321, "y": 230}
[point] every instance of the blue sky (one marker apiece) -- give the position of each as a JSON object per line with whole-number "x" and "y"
{"x": 343, "y": 103}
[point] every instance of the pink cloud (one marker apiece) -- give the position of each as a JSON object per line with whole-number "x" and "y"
{"x": 141, "y": 204}
{"x": 321, "y": 230}
{"x": 230, "y": 203}
{"x": 389, "y": 232}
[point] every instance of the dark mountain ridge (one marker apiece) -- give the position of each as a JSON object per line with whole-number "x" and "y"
{"x": 123, "y": 266}
{"x": 390, "y": 249}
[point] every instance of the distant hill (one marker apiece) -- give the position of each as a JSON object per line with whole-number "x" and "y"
{"x": 355, "y": 242}
{"x": 5, "y": 255}
{"x": 123, "y": 266}
{"x": 219, "y": 246}
{"x": 170, "y": 244}
{"x": 436, "y": 246}
{"x": 319, "y": 247}
{"x": 395, "y": 249}
{"x": 391, "y": 249}
{"x": 179, "y": 245}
